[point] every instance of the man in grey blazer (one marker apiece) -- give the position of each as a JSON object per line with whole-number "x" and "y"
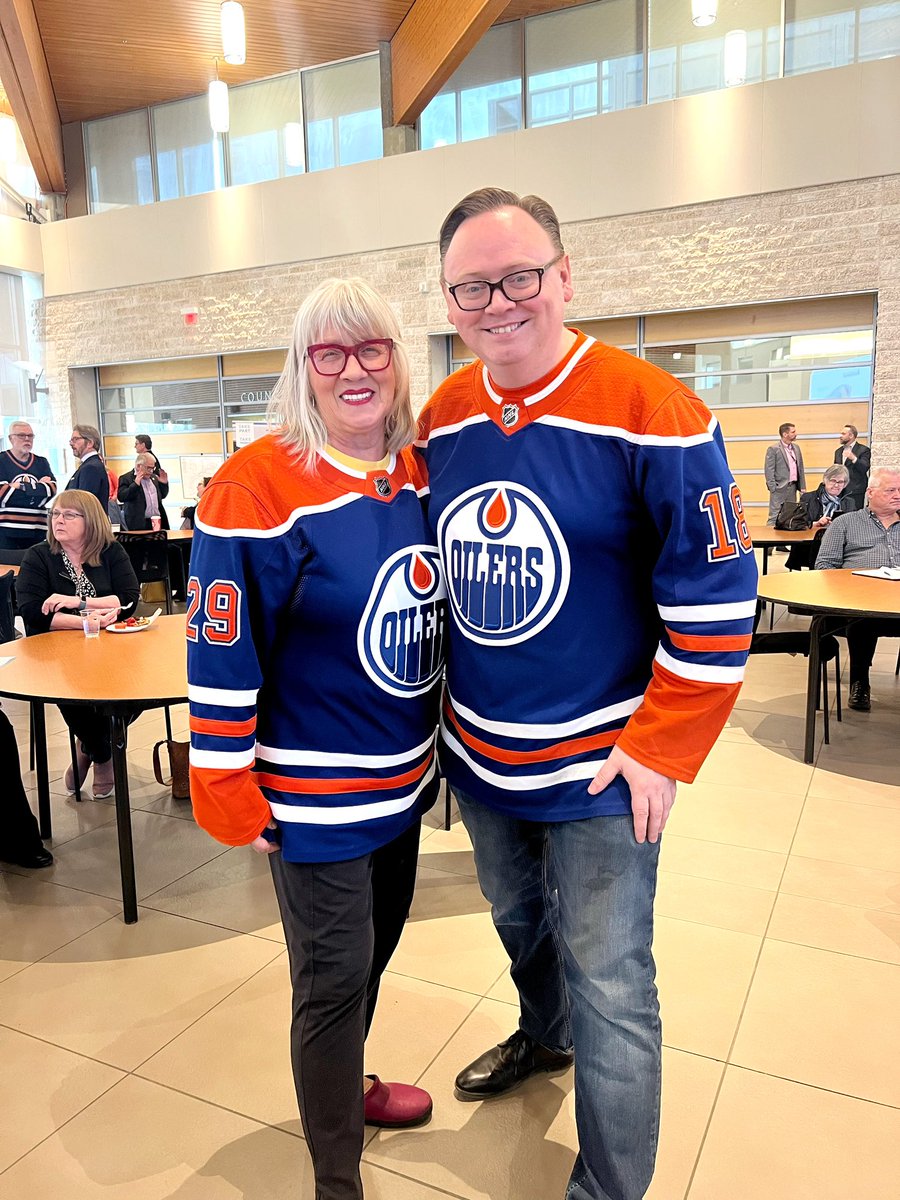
{"x": 784, "y": 470}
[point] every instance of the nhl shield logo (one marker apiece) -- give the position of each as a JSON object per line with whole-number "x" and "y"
{"x": 383, "y": 485}
{"x": 509, "y": 415}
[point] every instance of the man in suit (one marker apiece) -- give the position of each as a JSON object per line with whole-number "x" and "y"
{"x": 142, "y": 499}
{"x": 784, "y": 470}
{"x": 857, "y": 458}
{"x": 91, "y": 474}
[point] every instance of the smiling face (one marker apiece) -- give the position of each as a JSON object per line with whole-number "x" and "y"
{"x": 835, "y": 486}
{"x": 518, "y": 340}
{"x": 354, "y": 404}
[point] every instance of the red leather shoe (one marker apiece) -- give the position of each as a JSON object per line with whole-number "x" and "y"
{"x": 396, "y": 1105}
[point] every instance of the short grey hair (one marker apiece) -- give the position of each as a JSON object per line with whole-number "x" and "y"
{"x": 14, "y": 425}
{"x": 836, "y": 472}
{"x": 145, "y": 460}
{"x": 489, "y": 199}
{"x": 876, "y": 479}
{"x": 352, "y": 310}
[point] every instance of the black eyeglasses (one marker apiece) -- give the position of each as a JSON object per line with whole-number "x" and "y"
{"x": 330, "y": 358}
{"x": 476, "y": 294}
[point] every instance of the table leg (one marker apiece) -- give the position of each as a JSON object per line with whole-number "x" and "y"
{"x": 766, "y": 552}
{"x": 123, "y": 819}
{"x": 812, "y": 687}
{"x": 39, "y": 726}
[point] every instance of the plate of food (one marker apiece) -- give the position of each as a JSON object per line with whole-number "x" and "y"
{"x": 133, "y": 624}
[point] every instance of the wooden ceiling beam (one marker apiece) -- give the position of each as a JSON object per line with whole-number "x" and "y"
{"x": 432, "y": 41}
{"x": 26, "y": 78}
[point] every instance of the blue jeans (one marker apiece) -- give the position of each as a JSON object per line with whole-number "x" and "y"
{"x": 573, "y": 904}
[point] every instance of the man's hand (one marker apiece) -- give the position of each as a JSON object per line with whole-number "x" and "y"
{"x": 161, "y": 475}
{"x": 262, "y": 845}
{"x": 46, "y": 479}
{"x": 652, "y": 794}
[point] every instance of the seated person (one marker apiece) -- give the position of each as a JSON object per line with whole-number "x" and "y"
{"x": 188, "y": 513}
{"x": 822, "y": 506}
{"x": 20, "y": 839}
{"x": 864, "y": 539}
{"x": 80, "y": 568}
{"x": 142, "y": 499}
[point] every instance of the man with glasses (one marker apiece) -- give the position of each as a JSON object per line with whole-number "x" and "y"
{"x": 27, "y": 485}
{"x": 602, "y": 589}
{"x": 91, "y": 476}
{"x": 866, "y": 539}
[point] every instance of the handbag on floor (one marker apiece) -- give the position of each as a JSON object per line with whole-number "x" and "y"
{"x": 178, "y": 766}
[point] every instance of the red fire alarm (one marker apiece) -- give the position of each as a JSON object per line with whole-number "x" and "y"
{"x": 191, "y": 316}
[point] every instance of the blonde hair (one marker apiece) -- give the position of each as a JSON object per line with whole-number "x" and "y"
{"x": 98, "y": 532}
{"x": 350, "y": 310}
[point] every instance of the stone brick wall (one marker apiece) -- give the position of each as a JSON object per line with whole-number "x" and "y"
{"x": 824, "y": 240}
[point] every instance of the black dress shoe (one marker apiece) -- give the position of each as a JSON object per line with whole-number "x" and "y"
{"x": 860, "y": 697}
{"x": 27, "y": 858}
{"x": 505, "y": 1067}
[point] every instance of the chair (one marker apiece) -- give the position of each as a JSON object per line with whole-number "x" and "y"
{"x": 798, "y": 643}
{"x": 149, "y": 556}
{"x": 7, "y": 612}
{"x": 12, "y": 558}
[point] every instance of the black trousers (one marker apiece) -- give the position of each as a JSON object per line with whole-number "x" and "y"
{"x": 18, "y": 826}
{"x": 862, "y": 638}
{"x": 342, "y": 922}
{"x": 91, "y": 728}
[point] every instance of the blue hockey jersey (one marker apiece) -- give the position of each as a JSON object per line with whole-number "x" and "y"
{"x": 315, "y": 623}
{"x": 601, "y": 579}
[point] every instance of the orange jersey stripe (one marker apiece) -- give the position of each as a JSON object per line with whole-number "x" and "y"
{"x": 560, "y": 750}
{"x": 696, "y": 641}
{"x": 286, "y": 783}
{"x": 223, "y": 728}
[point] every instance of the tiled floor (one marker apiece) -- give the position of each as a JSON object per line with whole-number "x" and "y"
{"x": 151, "y": 1062}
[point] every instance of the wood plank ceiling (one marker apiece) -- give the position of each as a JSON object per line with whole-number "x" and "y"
{"x": 108, "y": 56}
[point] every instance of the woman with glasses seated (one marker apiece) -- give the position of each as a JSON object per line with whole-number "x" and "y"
{"x": 822, "y": 505}
{"x": 316, "y": 614}
{"x": 80, "y": 568}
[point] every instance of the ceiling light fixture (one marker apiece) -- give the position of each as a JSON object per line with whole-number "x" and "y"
{"x": 704, "y": 12}
{"x": 218, "y": 103}
{"x": 735, "y": 58}
{"x": 234, "y": 37}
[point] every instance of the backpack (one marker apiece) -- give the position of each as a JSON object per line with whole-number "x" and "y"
{"x": 792, "y": 516}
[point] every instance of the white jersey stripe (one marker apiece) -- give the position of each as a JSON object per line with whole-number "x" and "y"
{"x": 523, "y": 783}
{"x": 302, "y": 814}
{"x": 223, "y": 760}
{"x": 221, "y": 697}
{"x": 278, "y": 530}
{"x": 697, "y": 671}
{"x": 443, "y": 430}
{"x": 602, "y": 716}
{"x": 636, "y": 439}
{"x": 315, "y": 758}
{"x": 738, "y": 610}
{"x": 551, "y": 386}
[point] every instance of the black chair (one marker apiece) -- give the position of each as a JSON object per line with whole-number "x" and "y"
{"x": 12, "y": 558}
{"x": 7, "y": 611}
{"x": 798, "y": 643}
{"x": 149, "y": 554}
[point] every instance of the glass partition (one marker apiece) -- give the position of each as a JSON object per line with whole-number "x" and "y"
{"x": 819, "y": 34}
{"x": 342, "y": 103}
{"x": 189, "y": 156}
{"x": 265, "y": 139}
{"x": 483, "y": 97}
{"x": 583, "y": 61}
{"x": 117, "y": 154}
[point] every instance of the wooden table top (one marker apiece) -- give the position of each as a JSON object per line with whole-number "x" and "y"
{"x": 5, "y": 568}
{"x": 172, "y": 535}
{"x": 833, "y": 591}
{"x": 765, "y": 535}
{"x": 147, "y": 668}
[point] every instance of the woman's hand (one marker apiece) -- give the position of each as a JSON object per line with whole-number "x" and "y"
{"x": 108, "y": 616}
{"x": 57, "y": 601}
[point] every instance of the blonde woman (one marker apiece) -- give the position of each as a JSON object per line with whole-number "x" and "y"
{"x": 316, "y": 617}
{"x": 80, "y": 568}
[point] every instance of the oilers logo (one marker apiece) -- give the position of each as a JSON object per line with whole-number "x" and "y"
{"x": 506, "y": 562}
{"x": 401, "y": 635}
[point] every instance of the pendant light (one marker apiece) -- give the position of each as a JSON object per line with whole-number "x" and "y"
{"x": 735, "y": 58}
{"x": 704, "y": 12}
{"x": 218, "y": 103}
{"x": 234, "y": 38}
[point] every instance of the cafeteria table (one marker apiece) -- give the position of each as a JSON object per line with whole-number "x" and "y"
{"x": 119, "y": 674}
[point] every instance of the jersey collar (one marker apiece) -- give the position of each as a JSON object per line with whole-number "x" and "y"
{"x": 378, "y": 483}
{"x": 511, "y": 409}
